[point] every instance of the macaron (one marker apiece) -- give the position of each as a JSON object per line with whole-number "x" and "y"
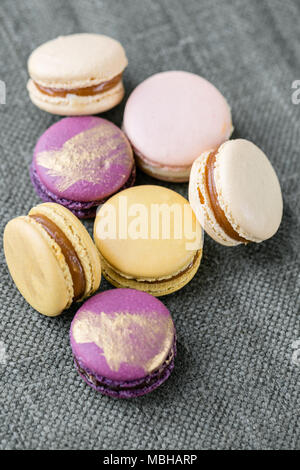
{"x": 81, "y": 161}
{"x": 148, "y": 239}
{"x": 235, "y": 193}
{"x": 51, "y": 258}
{"x": 77, "y": 74}
{"x": 173, "y": 117}
{"x": 123, "y": 342}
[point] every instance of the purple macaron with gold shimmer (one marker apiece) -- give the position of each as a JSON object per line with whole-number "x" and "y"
{"x": 123, "y": 343}
{"x": 80, "y": 162}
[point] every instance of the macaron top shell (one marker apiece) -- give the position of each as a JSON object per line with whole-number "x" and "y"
{"x": 248, "y": 190}
{"x": 122, "y": 334}
{"x": 138, "y": 245}
{"x": 83, "y": 158}
{"x": 172, "y": 117}
{"x": 37, "y": 266}
{"x": 76, "y": 61}
{"x": 36, "y": 260}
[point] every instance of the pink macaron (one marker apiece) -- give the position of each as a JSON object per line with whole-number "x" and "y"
{"x": 173, "y": 117}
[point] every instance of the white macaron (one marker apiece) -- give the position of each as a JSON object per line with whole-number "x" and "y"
{"x": 235, "y": 193}
{"x": 77, "y": 74}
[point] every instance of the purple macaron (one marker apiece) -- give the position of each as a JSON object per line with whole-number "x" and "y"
{"x": 80, "y": 162}
{"x": 123, "y": 342}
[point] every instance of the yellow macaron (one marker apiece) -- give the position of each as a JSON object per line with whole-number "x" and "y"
{"x": 148, "y": 239}
{"x": 51, "y": 258}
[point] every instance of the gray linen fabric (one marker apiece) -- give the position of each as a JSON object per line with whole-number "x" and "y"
{"x": 237, "y": 378}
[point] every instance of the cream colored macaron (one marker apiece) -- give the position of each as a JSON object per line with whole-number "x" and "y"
{"x": 149, "y": 239}
{"x": 77, "y": 74}
{"x": 235, "y": 193}
{"x": 51, "y": 258}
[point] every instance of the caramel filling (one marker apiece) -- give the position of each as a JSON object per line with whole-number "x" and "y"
{"x": 213, "y": 197}
{"x": 167, "y": 279}
{"x": 87, "y": 91}
{"x": 176, "y": 276}
{"x": 72, "y": 260}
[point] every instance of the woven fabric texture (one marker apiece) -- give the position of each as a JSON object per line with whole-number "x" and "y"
{"x": 237, "y": 377}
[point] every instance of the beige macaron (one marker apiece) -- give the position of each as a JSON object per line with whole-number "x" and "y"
{"x": 77, "y": 74}
{"x": 51, "y": 258}
{"x": 235, "y": 193}
{"x": 148, "y": 239}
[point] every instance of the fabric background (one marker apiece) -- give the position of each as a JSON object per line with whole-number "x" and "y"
{"x": 235, "y": 385}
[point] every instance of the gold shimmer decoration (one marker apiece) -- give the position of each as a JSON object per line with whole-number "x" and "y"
{"x": 141, "y": 341}
{"x": 82, "y": 156}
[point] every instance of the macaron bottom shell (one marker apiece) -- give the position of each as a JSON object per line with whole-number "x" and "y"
{"x": 82, "y": 209}
{"x": 128, "y": 389}
{"x": 178, "y": 174}
{"x": 73, "y": 105}
{"x": 200, "y": 202}
{"x": 155, "y": 288}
